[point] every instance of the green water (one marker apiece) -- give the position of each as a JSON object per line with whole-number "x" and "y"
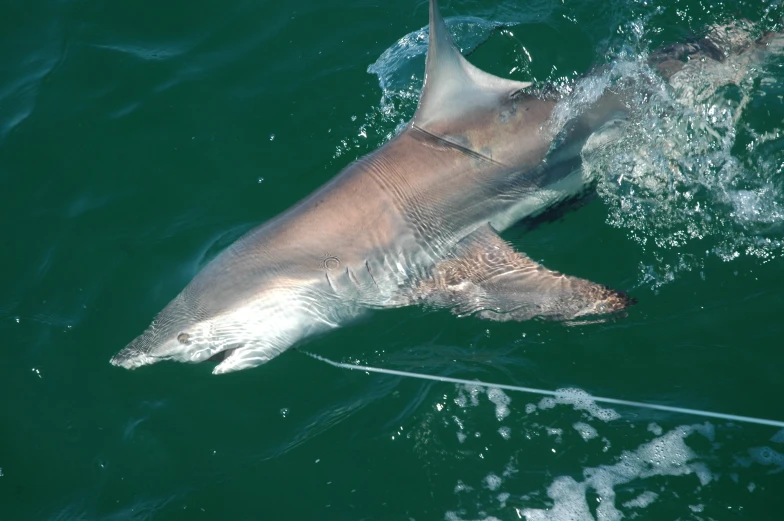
{"x": 138, "y": 139}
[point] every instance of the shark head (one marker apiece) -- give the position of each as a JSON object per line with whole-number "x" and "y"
{"x": 179, "y": 332}
{"x": 217, "y": 319}
{"x": 183, "y": 332}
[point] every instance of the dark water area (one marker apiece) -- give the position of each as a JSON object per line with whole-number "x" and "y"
{"x": 139, "y": 139}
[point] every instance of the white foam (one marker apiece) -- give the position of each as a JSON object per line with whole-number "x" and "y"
{"x": 581, "y": 401}
{"x": 586, "y": 431}
{"x": 643, "y": 500}
{"x": 462, "y": 487}
{"x": 468, "y": 395}
{"x": 501, "y": 401}
{"x": 493, "y": 482}
{"x": 569, "y": 503}
{"x": 666, "y": 455}
{"x": 474, "y": 391}
{"x": 505, "y": 432}
{"x": 554, "y": 431}
{"x": 510, "y": 469}
{"x": 703, "y": 473}
{"x": 455, "y": 516}
{"x": 655, "y": 428}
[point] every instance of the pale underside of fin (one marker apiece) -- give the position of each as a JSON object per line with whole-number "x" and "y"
{"x": 487, "y": 278}
{"x": 453, "y": 87}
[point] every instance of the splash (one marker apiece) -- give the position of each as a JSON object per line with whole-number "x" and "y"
{"x": 698, "y": 171}
{"x": 399, "y": 63}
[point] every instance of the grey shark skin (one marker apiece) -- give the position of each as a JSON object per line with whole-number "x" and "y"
{"x": 416, "y": 221}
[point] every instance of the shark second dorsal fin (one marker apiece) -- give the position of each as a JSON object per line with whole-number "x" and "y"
{"x": 453, "y": 87}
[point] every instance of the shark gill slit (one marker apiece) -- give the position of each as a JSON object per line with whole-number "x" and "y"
{"x": 351, "y": 276}
{"x": 370, "y": 272}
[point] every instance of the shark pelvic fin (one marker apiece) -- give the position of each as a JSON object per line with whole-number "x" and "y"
{"x": 453, "y": 87}
{"x": 486, "y": 277}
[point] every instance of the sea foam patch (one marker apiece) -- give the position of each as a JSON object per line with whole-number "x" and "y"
{"x": 665, "y": 455}
{"x": 581, "y": 401}
{"x": 497, "y": 479}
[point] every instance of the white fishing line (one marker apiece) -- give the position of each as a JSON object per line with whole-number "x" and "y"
{"x": 557, "y": 394}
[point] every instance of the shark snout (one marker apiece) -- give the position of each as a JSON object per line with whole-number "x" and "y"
{"x": 147, "y": 349}
{"x": 179, "y": 340}
{"x": 131, "y": 359}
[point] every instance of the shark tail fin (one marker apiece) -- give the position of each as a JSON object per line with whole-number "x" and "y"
{"x": 454, "y": 87}
{"x": 487, "y": 278}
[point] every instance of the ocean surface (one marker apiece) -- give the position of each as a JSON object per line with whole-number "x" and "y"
{"x": 140, "y": 138}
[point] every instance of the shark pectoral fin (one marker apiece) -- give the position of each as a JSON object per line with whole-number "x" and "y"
{"x": 453, "y": 87}
{"x": 244, "y": 357}
{"x": 485, "y": 276}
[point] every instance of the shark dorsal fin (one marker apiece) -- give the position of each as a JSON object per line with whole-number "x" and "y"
{"x": 453, "y": 87}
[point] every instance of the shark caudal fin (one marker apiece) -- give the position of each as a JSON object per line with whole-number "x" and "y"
{"x": 453, "y": 87}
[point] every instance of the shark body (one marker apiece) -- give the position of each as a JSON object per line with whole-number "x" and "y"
{"x": 415, "y": 221}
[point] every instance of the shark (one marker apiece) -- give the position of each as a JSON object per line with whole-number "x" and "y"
{"x": 415, "y": 222}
